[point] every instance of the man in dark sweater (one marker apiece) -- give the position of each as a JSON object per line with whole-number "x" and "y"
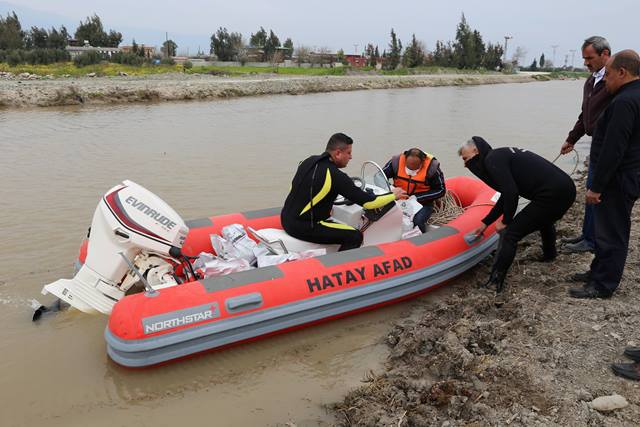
{"x": 615, "y": 156}
{"x": 595, "y": 52}
{"x": 315, "y": 186}
{"x": 515, "y": 172}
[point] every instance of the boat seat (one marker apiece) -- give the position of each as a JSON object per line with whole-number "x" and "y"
{"x": 279, "y": 242}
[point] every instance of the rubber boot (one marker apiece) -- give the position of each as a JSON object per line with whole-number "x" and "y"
{"x": 497, "y": 279}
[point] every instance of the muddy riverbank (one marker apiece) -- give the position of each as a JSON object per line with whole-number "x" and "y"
{"x": 538, "y": 360}
{"x": 18, "y": 92}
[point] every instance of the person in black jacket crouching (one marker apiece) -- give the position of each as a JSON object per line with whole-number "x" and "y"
{"x": 515, "y": 172}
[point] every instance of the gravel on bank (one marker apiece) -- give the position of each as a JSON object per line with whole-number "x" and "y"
{"x": 540, "y": 359}
{"x": 16, "y": 92}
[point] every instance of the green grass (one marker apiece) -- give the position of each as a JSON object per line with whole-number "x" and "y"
{"x": 104, "y": 69}
{"x": 569, "y": 74}
{"x": 237, "y": 71}
{"x": 433, "y": 70}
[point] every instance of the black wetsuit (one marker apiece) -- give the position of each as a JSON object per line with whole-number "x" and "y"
{"x": 306, "y": 211}
{"x": 515, "y": 172}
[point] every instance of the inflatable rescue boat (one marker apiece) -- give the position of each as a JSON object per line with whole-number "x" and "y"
{"x": 138, "y": 240}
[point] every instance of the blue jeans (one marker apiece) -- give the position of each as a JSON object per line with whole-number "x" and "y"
{"x": 588, "y": 223}
{"x": 422, "y": 216}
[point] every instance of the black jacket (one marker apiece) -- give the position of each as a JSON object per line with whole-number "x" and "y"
{"x": 515, "y": 172}
{"x": 320, "y": 180}
{"x": 616, "y": 141}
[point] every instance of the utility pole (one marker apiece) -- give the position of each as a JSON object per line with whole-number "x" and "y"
{"x": 554, "y": 47}
{"x": 506, "y": 40}
{"x": 573, "y": 55}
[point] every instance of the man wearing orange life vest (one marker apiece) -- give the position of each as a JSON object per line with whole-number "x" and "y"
{"x": 418, "y": 174}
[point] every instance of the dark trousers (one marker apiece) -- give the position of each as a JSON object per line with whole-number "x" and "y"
{"x": 538, "y": 215}
{"x": 326, "y": 232}
{"x": 422, "y": 216}
{"x": 588, "y": 223}
{"x": 612, "y": 226}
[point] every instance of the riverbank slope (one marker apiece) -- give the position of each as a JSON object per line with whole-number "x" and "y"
{"x": 19, "y": 92}
{"x": 537, "y": 360}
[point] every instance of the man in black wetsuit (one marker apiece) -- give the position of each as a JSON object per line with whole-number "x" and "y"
{"x": 515, "y": 172}
{"x": 315, "y": 186}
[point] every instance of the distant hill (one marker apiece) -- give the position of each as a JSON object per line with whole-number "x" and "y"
{"x": 30, "y": 17}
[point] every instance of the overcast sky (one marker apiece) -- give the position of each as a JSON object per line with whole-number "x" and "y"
{"x": 336, "y": 24}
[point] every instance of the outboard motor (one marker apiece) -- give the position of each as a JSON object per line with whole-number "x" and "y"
{"x": 133, "y": 223}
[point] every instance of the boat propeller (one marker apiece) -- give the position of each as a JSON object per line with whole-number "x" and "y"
{"x": 58, "y": 305}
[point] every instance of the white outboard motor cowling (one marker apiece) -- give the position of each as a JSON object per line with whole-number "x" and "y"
{"x": 128, "y": 220}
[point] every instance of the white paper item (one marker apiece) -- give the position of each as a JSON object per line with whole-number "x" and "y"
{"x": 412, "y": 233}
{"x": 221, "y": 267}
{"x": 237, "y": 236}
{"x": 410, "y": 206}
{"x": 407, "y": 224}
{"x": 203, "y": 258}
{"x": 267, "y": 260}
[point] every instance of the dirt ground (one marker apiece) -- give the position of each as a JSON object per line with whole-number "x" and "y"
{"x": 537, "y": 360}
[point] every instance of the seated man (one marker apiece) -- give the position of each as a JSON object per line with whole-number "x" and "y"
{"x": 315, "y": 186}
{"x": 418, "y": 174}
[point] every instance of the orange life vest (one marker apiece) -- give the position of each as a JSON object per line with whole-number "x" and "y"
{"x": 412, "y": 184}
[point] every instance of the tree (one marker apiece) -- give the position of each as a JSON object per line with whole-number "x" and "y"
{"x": 58, "y": 39}
{"x": 227, "y": 47}
{"x": 534, "y": 65}
{"x": 11, "y": 34}
{"x": 493, "y": 57}
{"x": 340, "y": 57}
{"x": 37, "y": 38}
{"x": 92, "y": 31}
{"x": 413, "y": 54}
{"x": 288, "y": 44}
{"x": 443, "y": 54}
{"x": 479, "y": 49}
{"x": 369, "y": 53}
{"x": 271, "y": 45}
{"x": 302, "y": 54}
{"x": 395, "y": 48}
{"x": 259, "y": 39}
{"x": 464, "y": 46}
{"x": 113, "y": 39}
{"x": 169, "y": 48}
{"x": 542, "y": 61}
{"x": 518, "y": 55}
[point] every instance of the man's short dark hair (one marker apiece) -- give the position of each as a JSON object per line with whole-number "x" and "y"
{"x": 600, "y": 44}
{"x": 338, "y": 141}
{"x": 627, "y": 59}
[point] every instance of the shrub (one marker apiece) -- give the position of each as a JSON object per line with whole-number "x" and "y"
{"x": 14, "y": 58}
{"x": 128, "y": 58}
{"x": 187, "y": 65}
{"x": 87, "y": 58}
{"x": 167, "y": 61}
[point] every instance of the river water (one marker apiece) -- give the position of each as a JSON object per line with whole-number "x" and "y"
{"x": 207, "y": 158}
